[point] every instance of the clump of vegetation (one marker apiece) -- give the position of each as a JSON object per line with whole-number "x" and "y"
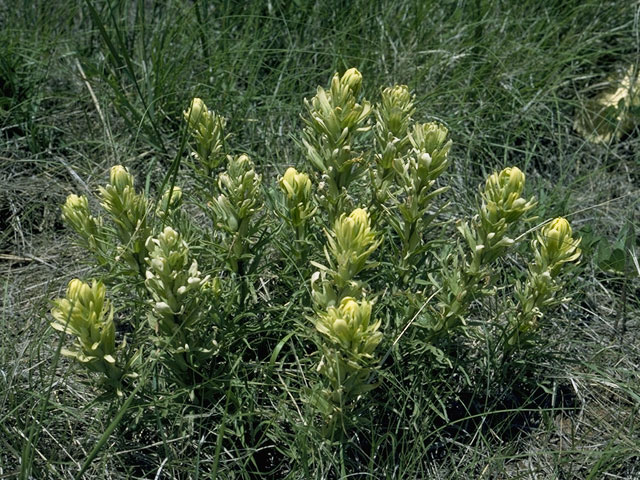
{"x": 194, "y": 296}
{"x": 255, "y": 323}
{"x": 613, "y": 112}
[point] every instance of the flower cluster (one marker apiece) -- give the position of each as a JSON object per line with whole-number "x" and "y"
{"x": 416, "y": 174}
{"x": 207, "y": 129}
{"x": 184, "y": 335}
{"x": 333, "y": 121}
{"x": 427, "y": 159}
{"x": 76, "y": 213}
{"x": 393, "y": 115}
{"x": 128, "y": 211}
{"x": 348, "y": 360}
{"x": 503, "y": 202}
{"x": 343, "y": 316}
{"x": 554, "y": 246}
{"x": 234, "y": 208}
{"x": 350, "y": 244}
{"x": 170, "y": 277}
{"x": 85, "y": 314}
{"x": 502, "y": 206}
{"x": 487, "y": 239}
{"x": 296, "y": 187}
{"x": 169, "y": 202}
{"x": 348, "y": 326}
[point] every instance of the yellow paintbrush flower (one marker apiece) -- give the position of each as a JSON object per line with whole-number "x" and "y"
{"x": 170, "y": 276}
{"x": 128, "y": 210}
{"x": 351, "y": 242}
{"x": 170, "y": 201}
{"x": 207, "y": 129}
{"x": 197, "y": 114}
{"x": 297, "y": 189}
{"x": 349, "y": 326}
{"x": 555, "y": 245}
{"x": 296, "y": 185}
{"x": 333, "y": 121}
{"x": 240, "y": 196}
{"x": 85, "y": 314}
{"x": 503, "y": 196}
{"x": 352, "y": 78}
{"x": 76, "y": 213}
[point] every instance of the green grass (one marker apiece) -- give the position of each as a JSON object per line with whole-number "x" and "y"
{"x": 86, "y": 85}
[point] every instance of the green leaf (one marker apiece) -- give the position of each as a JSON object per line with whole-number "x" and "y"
{"x": 614, "y": 262}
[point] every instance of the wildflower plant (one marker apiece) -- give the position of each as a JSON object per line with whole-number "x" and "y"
{"x": 207, "y": 130}
{"x": 350, "y": 244}
{"x": 486, "y": 237}
{"x": 235, "y": 209}
{"x": 88, "y": 316}
{"x": 334, "y": 122}
{"x": 197, "y": 281}
{"x": 120, "y": 240}
{"x": 170, "y": 278}
{"x": 76, "y": 214}
{"x": 350, "y": 339}
{"x": 127, "y": 209}
{"x": 502, "y": 206}
{"x": 416, "y": 175}
{"x": 393, "y": 118}
{"x": 343, "y": 316}
{"x": 300, "y": 208}
{"x": 553, "y": 247}
{"x": 179, "y": 313}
